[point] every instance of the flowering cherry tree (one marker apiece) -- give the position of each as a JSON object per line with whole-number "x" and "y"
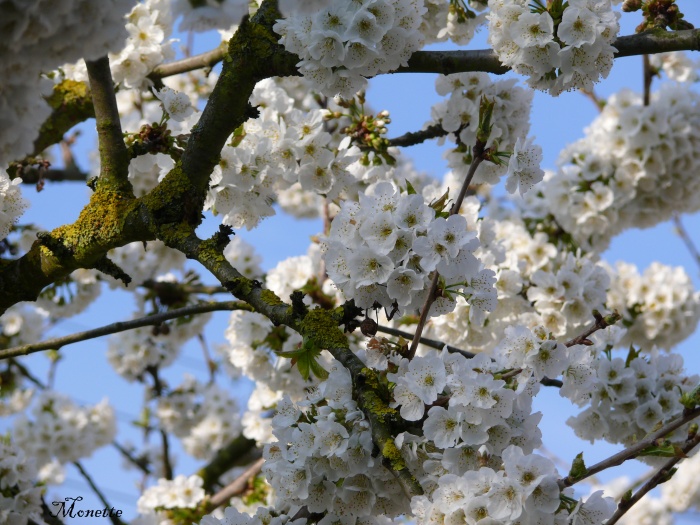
{"x": 396, "y": 363}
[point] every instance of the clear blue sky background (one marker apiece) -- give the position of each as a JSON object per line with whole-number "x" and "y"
{"x": 86, "y": 375}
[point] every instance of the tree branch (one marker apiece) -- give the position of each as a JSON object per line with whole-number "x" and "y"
{"x": 114, "y": 159}
{"x": 600, "y": 324}
{"x": 150, "y": 320}
{"x": 253, "y": 54}
{"x": 377, "y": 412}
{"x": 237, "y": 452}
{"x": 448, "y": 62}
{"x": 141, "y": 464}
{"x": 203, "y": 60}
{"x": 661, "y": 476}
{"x": 32, "y": 175}
{"x": 439, "y": 345}
{"x": 685, "y": 237}
{"x": 112, "y": 517}
{"x": 477, "y": 159}
{"x": 72, "y": 104}
{"x": 634, "y": 450}
{"x": 417, "y": 137}
{"x": 237, "y": 486}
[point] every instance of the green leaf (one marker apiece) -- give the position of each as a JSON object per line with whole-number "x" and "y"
{"x": 578, "y": 467}
{"x": 409, "y": 188}
{"x": 666, "y": 450}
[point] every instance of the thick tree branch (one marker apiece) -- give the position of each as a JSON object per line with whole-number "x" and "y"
{"x": 319, "y": 327}
{"x": 72, "y": 104}
{"x": 151, "y": 320}
{"x": 448, "y": 62}
{"x": 238, "y": 452}
{"x": 114, "y": 160}
{"x": 378, "y": 413}
{"x": 253, "y": 54}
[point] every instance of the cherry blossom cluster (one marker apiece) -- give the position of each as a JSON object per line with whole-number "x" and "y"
{"x": 659, "y": 307}
{"x": 459, "y": 115}
{"x": 34, "y": 42}
{"x": 677, "y": 66}
{"x": 281, "y": 147}
{"x": 480, "y": 409}
{"x": 20, "y": 498}
{"x": 149, "y": 25}
{"x": 628, "y": 398}
{"x": 321, "y": 442}
{"x": 557, "y": 51}
{"x": 12, "y": 204}
{"x": 22, "y": 324}
{"x": 61, "y": 432}
{"x": 182, "y": 492}
{"x": 251, "y": 350}
{"x": 449, "y": 20}
{"x": 384, "y": 248}
{"x": 536, "y": 285}
{"x": 634, "y": 167}
{"x": 344, "y": 42}
{"x": 203, "y": 416}
{"x": 475, "y": 458}
{"x": 522, "y": 490}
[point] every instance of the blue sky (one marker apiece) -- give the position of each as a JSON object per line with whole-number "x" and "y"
{"x": 85, "y": 374}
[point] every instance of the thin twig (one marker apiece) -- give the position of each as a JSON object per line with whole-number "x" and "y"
{"x": 237, "y": 486}
{"x": 600, "y": 324}
{"x": 593, "y": 97}
{"x": 683, "y": 233}
{"x": 203, "y": 60}
{"x": 165, "y": 444}
{"x": 634, "y": 450}
{"x": 430, "y": 298}
{"x": 163, "y": 287}
{"x": 431, "y": 343}
{"x": 417, "y": 137}
{"x": 112, "y": 516}
{"x": 439, "y": 345}
{"x": 27, "y": 374}
{"x": 648, "y": 78}
{"x": 211, "y": 364}
{"x": 661, "y": 476}
{"x": 141, "y": 464}
{"x": 149, "y": 320}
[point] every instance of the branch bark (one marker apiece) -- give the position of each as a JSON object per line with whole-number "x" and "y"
{"x": 634, "y": 450}
{"x": 151, "y": 320}
{"x": 114, "y": 160}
